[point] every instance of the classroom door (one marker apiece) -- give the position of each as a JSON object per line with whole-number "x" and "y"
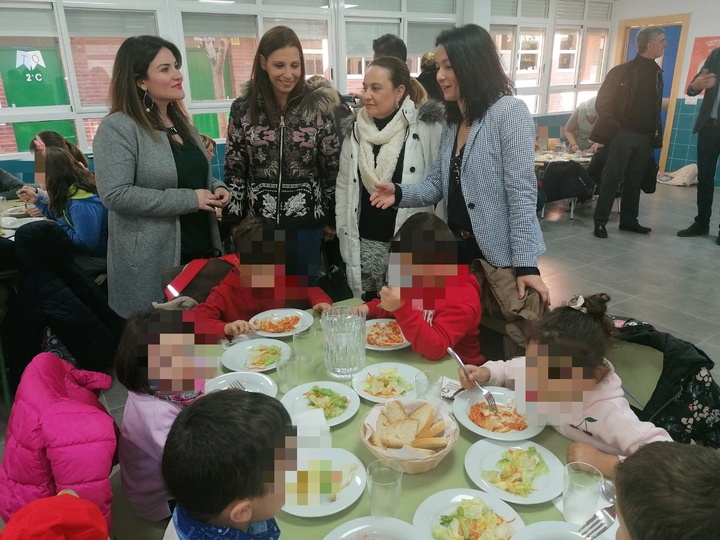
{"x": 675, "y": 27}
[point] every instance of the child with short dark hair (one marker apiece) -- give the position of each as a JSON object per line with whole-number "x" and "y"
{"x": 261, "y": 280}
{"x": 435, "y": 301}
{"x": 161, "y": 362}
{"x": 565, "y": 374}
{"x": 669, "y": 491}
{"x": 223, "y": 465}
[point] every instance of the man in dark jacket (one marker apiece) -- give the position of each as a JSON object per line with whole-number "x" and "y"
{"x": 629, "y": 104}
{"x": 707, "y": 126}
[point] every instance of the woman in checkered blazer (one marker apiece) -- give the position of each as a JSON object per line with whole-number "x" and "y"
{"x": 485, "y": 168}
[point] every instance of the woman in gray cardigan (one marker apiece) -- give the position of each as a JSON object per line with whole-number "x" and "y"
{"x": 153, "y": 175}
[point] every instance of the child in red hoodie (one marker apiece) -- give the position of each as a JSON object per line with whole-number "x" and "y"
{"x": 258, "y": 282}
{"x": 435, "y": 301}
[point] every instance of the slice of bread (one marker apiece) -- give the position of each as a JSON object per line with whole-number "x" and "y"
{"x": 424, "y": 414}
{"x": 432, "y": 443}
{"x": 395, "y": 411}
{"x": 380, "y": 428}
{"x": 425, "y": 451}
{"x": 400, "y": 433}
{"x": 438, "y": 428}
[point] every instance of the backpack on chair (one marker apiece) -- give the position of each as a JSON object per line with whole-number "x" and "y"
{"x": 197, "y": 278}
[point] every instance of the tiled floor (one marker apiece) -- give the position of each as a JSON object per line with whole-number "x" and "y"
{"x": 659, "y": 278}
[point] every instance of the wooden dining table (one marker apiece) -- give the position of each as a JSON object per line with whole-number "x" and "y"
{"x": 450, "y": 473}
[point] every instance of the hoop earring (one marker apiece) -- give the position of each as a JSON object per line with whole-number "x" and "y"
{"x": 144, "y": 100}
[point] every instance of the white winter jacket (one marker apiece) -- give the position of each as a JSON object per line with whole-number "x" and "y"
{"x": 422, "y": 142}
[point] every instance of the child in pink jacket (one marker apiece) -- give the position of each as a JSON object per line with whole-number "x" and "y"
{"x": 566, "y": 375}
{"x": 59, "y": 436}
{"x": 161, "y": 361}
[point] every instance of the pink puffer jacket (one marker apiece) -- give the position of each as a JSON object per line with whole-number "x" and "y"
{"x": 59, "y": 437}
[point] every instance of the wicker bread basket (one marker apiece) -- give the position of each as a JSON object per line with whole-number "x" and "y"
{"x": 417, "y": 465}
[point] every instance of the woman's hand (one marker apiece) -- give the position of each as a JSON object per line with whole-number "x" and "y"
{"x": 479, "y": 374}
{"x": 238, "y": 327}
{"x": 384, "y": 196}
{"x": 595, "y": 147}
{"x": 390, "y": 298}
{"x": 27, "y": 194}
{"x": 206, "y": 200}
{"x": 329, "y": 233}
{"x": 322, "y": 306}
{"x": 535, "y": 282}
{"x": 222, "y": 196}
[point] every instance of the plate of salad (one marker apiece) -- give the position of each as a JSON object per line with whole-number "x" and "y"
{"x": 255, "y": 355}
{"x": 384, "y": 381}
{"x": 457, "y": 514}
{"x": 518, "y": 472}
{"x": 338, "y": 402}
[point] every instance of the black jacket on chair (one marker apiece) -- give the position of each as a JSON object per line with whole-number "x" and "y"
{"x": 54, "y": 292}
{"x": 565, "y": 180}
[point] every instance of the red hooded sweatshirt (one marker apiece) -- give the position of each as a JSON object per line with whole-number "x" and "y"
{"x": 450, "y": 318}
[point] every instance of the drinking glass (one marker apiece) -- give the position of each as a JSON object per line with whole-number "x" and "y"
{"x": 581, "y": 491}
{"x": 428, "y": 385}
{"x": 343, "y": 331}
{"x": 559, "y": 151}
{"x": 304, "y": 345}
{"x": 384, "y": 484}
{"x": 288, "y": 372}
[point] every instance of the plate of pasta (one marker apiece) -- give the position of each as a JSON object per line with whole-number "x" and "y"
{"x": 255, "y": 355}
{"x": 281, "y": 322}
{"x": 384, "y": 335}
{"x": 471, "y": 410}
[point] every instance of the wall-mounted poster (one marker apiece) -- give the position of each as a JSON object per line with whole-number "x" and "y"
{"x": 701, "y": 50}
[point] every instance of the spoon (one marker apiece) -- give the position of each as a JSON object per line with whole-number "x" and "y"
{"x": 607, "y": 490}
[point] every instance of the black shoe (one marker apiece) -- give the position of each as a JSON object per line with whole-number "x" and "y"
{"x": 635, "y": 228}
{"x": 694, "y": 230}
{"x": 600, "y": 231}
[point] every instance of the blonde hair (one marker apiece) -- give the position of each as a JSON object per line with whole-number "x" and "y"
{"x": 209, "y": 143}
{"x": 427, "y": 61}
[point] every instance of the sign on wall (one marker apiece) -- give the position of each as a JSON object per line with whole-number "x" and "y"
{"x": 701, "y": 50}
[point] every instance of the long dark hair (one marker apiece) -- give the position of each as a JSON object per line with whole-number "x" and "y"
{"x": 477, "y": 67}
{"x": 131, "y": 65}
{"x": 54, "y": 139}
{"x": 65, "y": 177}
{"x": 276, "y": 38}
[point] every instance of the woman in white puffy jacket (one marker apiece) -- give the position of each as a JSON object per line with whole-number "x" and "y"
{"x": 394, "y": 138}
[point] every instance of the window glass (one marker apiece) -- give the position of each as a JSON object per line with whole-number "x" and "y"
{"x": 561, "y": 101}
{"x": 504, "y": 38}
{"x": 16, "y": 137}
{"x": 95, "y": 36}
{"x": 431, "y": 6}
{"x": 421, "y": 39}
{"x": 528, "y": 70}
{"x": 359, "y": 52}
{"x": 377, "y": 5}
{"x": 531, "y": 100}
{"x": 565, "y": 56}
{"x": 594, "y": 45}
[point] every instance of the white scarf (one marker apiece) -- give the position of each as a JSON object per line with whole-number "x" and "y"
{"x": 390, "y": 140}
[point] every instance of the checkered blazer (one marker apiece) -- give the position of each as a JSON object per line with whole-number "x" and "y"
{"x": 497, "y": 181}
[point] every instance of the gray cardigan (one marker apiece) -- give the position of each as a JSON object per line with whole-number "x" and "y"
{"x": 137, "y": 182}
{"x": 9, "y": 184}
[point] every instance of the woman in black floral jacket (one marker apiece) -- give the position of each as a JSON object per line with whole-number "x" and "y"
{"x": 283, "y": 151}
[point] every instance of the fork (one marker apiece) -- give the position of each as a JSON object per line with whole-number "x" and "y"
{"x": 486, "y": 394}
{"x": 237, "y": 384}
{"x": 598, "y": 523}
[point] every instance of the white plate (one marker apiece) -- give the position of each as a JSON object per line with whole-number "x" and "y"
{"x": 445, "y": 502}
{"x": 7, "y": 221}
{"x": 306, "y": 320}
{"x": 386, "y": 528}
{"x": 484, "y": 454}
{"x": 19, "y": 222}
{"x": 402, "y": 345}
{"x": 296, "y": 402}
{"x": 253, "y": 382}
{"x": 16, "y": 211}
{"x": 406, "y": 372}
{"x": 461, "y": 408}
{"x": 238, "y": 357}
{"x": 553, "y": 530}
{"x": 347, "y": 496}
{"x": 7, "y": 233}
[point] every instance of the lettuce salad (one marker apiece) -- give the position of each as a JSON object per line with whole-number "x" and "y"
{"x": 388, "y": 383}
{"x": 472, "y": 520}
{"x": 517, "y": 469}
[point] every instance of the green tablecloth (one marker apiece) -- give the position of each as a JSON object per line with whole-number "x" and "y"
{"x": 450, "y": 473}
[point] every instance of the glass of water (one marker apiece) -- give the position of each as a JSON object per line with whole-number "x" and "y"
{"x": 384, "y": 484}
{"x": 581, "y": 491}
{"x": 343, "y": 331}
